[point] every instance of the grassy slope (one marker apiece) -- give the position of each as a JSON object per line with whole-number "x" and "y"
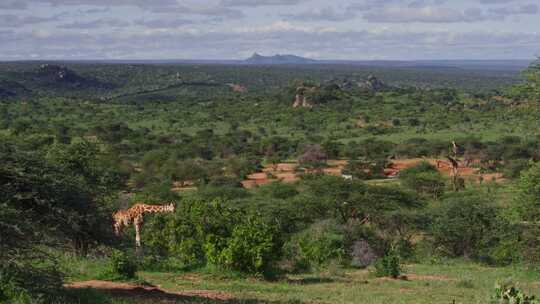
{"x": 461, "y": 281}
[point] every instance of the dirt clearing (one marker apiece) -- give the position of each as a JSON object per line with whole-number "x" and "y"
{"x": 150, "y": 293}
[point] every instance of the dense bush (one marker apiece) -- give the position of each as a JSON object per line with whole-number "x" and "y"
{"x": 513, "y": 168}
{"x": 49, "y": 202}
{"x": 388, "y": 266}
{"x": 122, "y": 266}
{"x": 210, "y": 232}
{"x": 252, "y": 247}
{"x": 527, "y": 201}
{"x": 278, "y": 190}
{"x": 315, "y": 247}
{"x": 365, "y": 169}
{"x": 424, "y": 179}
{"x": 468, "y": 225}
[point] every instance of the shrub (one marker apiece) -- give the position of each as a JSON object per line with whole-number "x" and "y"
{"x": 528, "y": 198}
{"x": 279, "y": 190}
{"x": 424, "y": 179}
{"x": 388, "y": 266}
{"x": 315, "y": 247}
{"x": 122, "y": 265}
{"x": 514, "y": 167}
{"x": 529, "y": 247}
{"x": 201, "y": 233}
{"x": 506, "y": 252}
{"x": 507, "y": 293}
{"x": 467, "y": 225}
{"x": 252, "y": 247}
{"x": 465, "y": 283}
{"x": 27, "y": 284}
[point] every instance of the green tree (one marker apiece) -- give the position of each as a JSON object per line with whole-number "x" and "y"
{"x": 423, "y": 178}
{"x": 42, "y": 205}
{"x": 527, "y": 201}
{"x": 530, "y": 87}
{"x": 467, "y": 225}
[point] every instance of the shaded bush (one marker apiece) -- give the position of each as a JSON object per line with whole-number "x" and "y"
{"x": 423, "y": 178}
{"x": 315, "y": 247}
{"x": 362, "y": 255}
{"x": 468, "y": 225}
{"x": 122, "y": 265}
{"x": 388, "y": 266}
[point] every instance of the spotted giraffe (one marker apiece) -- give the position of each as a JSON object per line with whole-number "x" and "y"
{"x": 135, "y": 215}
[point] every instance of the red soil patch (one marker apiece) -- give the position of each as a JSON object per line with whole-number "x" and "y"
{"x": 136, "y": 292}
{"x": 286, "y": 172}
{"x": 445, "y": 168}
{"x": 333, "y": 171}
{"x": 497, "y": 177}
{"x": 282, "y": 167}
{"x": 287, "y": 177}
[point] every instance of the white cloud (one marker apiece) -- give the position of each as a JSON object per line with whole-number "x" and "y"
{"x": 428, "y": 14}
{"x": 255, "y": 3}
{"x": 321, "y": 14}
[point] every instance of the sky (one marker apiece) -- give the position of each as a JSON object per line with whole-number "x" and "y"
{"x": 235, "y": 29}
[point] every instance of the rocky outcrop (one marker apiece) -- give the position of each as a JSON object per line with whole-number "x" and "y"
{"x": 373, "y": 84}
{"x": 59, "y": 76}
{"x": 237, "y": 88}
{"x": 301, "y": 100}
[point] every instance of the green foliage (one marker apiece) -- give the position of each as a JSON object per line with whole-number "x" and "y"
{"x": 388, "y": 266}
{"x": 317, "y": 246}
{"x": 527, "y": 201}
{"x": 44, "y": 204}
{"x": 23, "y": 283}
{"x": 211, "y": 232}
{"x": 331, "y": 196}
{"x": 424, "y": 179}
{"x": 468, "y": 225}
{"x": 530, "y": 87}
{"x": 122, "y": 265}
{"x": 513, "y": 168}
{"x": 279, "y": 190}
{"x": 365, "y": 169}
{"x": 251, "y": 248}
{"x": 507, "y": 293}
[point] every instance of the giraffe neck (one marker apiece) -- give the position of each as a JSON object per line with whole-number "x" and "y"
{"x": 156, "y": 209}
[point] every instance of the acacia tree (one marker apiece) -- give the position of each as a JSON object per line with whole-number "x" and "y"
{"x": 44, "y": 203}
{"x": 530, "y": 88}
{"x": 527, "y": 201}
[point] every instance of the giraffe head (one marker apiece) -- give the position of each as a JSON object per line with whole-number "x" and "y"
{"x": 171, "y": 207}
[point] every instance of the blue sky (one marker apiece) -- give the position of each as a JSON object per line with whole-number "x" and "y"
{"x": 234, "y": 29}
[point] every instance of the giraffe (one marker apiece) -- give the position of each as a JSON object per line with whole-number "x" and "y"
{"x": 135, "y": 215}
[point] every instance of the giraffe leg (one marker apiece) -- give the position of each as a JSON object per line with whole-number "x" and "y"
{"x": 117, "y": 227}
{"x": 137, "y": 234}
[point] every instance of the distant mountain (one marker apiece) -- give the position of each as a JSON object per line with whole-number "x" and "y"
{"x": 278, "y": 59}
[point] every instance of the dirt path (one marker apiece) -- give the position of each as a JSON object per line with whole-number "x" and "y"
{"x": 151, "y": 293}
